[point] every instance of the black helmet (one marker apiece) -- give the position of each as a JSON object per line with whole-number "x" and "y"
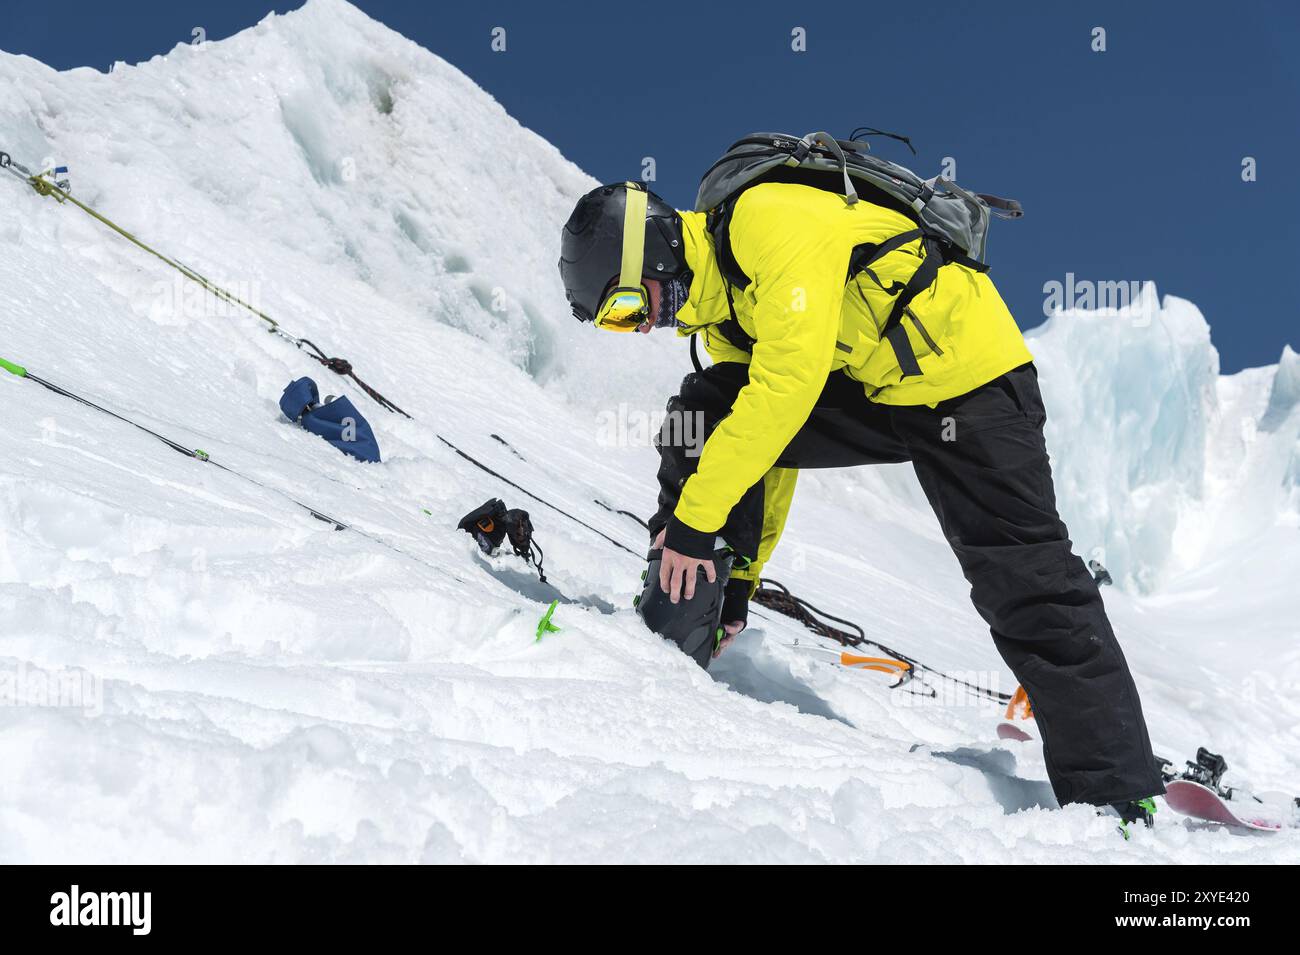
{"x": 591, "y": 246}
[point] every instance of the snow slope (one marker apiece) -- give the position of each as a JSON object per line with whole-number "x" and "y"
{"x": 259, "y": 687}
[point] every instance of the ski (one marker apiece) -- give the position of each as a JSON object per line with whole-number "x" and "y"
{"x": 1016, "y": 730}
{"x": 1198, "y": 792}
{"x": 1201, "y": 802}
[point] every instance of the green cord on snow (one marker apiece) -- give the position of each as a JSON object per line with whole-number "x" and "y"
{"x": 13, "y": 369}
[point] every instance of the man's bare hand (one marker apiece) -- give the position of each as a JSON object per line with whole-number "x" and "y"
{"x": 731, "y": 627}
{"x": 677, "y": 574}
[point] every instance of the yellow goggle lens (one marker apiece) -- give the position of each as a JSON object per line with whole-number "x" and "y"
{"x": 624, "y": 310}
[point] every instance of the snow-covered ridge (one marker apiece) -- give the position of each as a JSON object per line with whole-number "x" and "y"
{"x": 324, "y": 133}
{"x": 262, "y": 688}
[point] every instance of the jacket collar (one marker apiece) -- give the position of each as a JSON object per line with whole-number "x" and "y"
{"x": 706, "y": 279}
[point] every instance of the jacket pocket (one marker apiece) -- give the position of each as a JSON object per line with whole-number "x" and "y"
{"x": 1021, "y": 384}
{"x": 990, "y": 406}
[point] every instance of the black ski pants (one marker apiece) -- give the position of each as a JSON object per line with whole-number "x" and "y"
{"x": 983, "y": 465}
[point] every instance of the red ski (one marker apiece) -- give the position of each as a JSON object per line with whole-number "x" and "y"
{"x": 1017, "y": 731}
{"x": 1201, "y": 802}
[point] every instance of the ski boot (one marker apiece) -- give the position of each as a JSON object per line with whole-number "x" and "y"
{"x": 1134, "y": 810}
{"x": 695, "y": 625}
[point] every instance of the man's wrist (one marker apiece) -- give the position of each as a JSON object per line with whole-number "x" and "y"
{"x": 735, "y": 602}
{"x": 686, "y": 540}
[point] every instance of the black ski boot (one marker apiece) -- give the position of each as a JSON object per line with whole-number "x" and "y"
{"x": 1135, "y": 810}
{"x": 695, "y": 625}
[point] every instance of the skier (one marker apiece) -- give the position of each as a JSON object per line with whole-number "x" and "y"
{"x": 800, "y": 380}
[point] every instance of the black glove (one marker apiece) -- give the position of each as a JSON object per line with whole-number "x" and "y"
{"x": 520, "y": 531}
{"x": 487, "y": 524}
{"x": 735, "y": 602}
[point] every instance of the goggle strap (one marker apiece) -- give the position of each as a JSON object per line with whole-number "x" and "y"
{"x": 633, "y": 236}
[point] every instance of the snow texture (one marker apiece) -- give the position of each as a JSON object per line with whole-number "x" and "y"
{"x": 256, "y": 686}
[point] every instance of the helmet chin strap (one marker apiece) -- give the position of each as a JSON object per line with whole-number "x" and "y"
{"x": 629, "y": 275}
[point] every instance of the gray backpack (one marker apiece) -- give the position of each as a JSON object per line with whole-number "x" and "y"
{"x": 951, "y": 222}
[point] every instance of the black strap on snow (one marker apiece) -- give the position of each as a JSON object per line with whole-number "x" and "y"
{"x": 60, "y": 191}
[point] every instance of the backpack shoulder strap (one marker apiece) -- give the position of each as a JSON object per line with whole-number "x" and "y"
{"x": 730, "y": 329}
{"x": 719, "y": 225}
{"x": 938, "y": 253}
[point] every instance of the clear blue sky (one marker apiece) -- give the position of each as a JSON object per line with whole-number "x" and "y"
{"x": 1128, "y": 162}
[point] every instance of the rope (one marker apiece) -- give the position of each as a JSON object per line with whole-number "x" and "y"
{"x": 540, "y": 500}
{"x": 343, "y": 367}
{"x": 200, "y": 455}
{"x": 615, "y": 510}
{"x": 776, "y": 596}
{"x": 45, "y": 187}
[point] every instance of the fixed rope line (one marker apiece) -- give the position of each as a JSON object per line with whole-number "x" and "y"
{"x": 776, "y": 596}
{"x": 49, "y": 188}
{"x": 198, "y": 454}
{"x": 616, "y": 510}
{"x": 540, "y": 500}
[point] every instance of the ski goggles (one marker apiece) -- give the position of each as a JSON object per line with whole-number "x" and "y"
{"x": 627, "y": 306}
{"x": 623, "y": 310}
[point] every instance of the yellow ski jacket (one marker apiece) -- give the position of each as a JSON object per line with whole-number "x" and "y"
{"x": 794, "y": 242}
